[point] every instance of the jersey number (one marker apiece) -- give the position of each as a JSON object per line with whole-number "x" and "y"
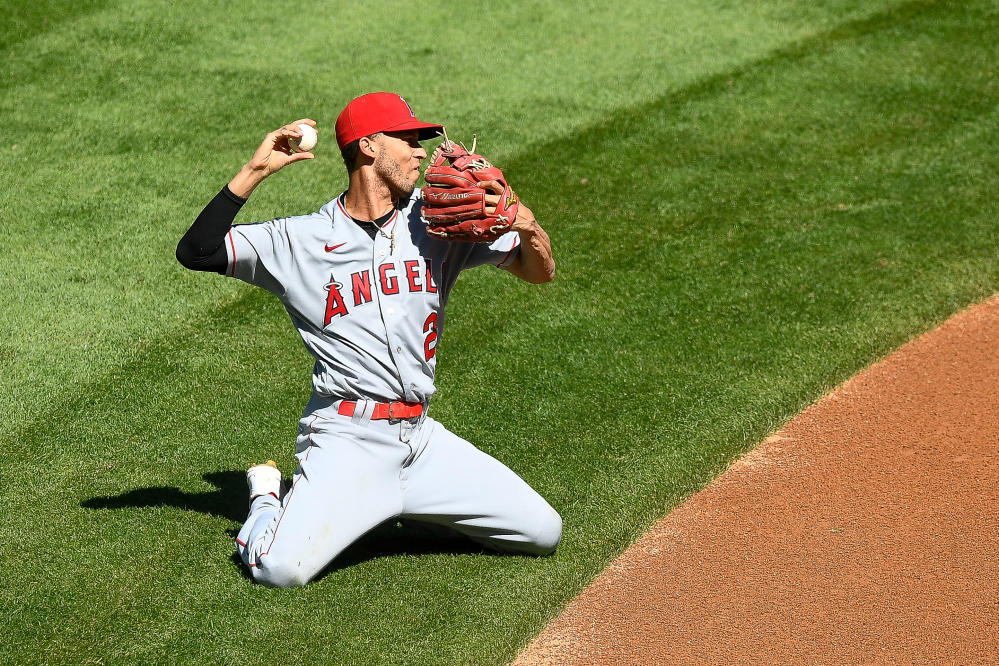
{"x": 430, "y": 343}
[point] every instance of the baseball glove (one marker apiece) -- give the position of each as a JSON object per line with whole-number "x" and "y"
{"x": 454, "y": 205}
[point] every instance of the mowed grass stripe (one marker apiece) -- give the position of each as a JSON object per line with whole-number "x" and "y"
{"x": 20, "y": 21}
{"x": 743, "y": 261}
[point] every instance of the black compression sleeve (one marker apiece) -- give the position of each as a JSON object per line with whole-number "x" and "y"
{"x": 203, "y": 246}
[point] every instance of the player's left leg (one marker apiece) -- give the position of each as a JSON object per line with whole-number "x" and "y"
{"x": 451, "y": 482}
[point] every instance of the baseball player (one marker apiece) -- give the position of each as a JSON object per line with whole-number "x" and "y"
{"x": 365, "y": 287}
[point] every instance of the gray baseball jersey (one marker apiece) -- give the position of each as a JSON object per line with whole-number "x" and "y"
{"x": 371, "y": 316}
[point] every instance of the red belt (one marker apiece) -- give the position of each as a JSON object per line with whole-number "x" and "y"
{"x": 384, "y": 410}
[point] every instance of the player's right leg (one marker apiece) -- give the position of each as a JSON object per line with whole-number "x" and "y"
{"x": 347, "y": 482}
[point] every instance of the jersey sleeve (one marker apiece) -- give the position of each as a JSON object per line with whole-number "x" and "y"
{"x": 257, "y": 254}
{"x": 500, "y": 253}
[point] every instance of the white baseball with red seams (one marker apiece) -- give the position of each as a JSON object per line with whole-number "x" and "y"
{"x": 307, "y": 141}
{"x": 372, "y": 315}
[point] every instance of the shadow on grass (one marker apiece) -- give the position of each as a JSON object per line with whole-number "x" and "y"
{"x": 228, "y": 500}
{"x": 394, "y": 537}
{"x": 401, "y": 537}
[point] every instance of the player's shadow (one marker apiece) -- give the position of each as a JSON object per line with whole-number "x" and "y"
{"x": 228, "y": 500}
{"x": 397, "y": 537}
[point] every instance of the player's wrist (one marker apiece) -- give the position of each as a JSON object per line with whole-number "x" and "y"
{"x": 233, "y": 197}
{"x": 244, "y": 182}
{"x": 526, "y": 226}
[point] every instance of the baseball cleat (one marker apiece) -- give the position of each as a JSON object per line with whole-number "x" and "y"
{"x": 264, "y": 480}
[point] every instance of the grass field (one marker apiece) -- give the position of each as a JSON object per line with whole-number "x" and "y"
{"x": 748, "y": 204}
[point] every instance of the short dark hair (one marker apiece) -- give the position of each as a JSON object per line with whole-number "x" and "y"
{"x": 349, "y": 154}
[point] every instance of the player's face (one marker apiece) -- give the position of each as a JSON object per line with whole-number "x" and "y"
{"x": 398, "y": 161}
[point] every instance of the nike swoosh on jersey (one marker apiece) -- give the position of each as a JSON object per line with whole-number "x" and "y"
{"x": 330, "y": 248}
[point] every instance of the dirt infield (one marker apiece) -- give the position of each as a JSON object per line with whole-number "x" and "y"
{"x": 865, "y": 531}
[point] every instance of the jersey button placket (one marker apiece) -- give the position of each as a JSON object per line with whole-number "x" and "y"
{"x": 387, "y": 311}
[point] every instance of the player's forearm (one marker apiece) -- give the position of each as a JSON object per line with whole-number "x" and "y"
{"x": 202, "y": 247}
{"x": 534, "y": 262}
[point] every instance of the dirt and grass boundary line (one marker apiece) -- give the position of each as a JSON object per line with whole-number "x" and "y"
{"x": 863, "y": 531}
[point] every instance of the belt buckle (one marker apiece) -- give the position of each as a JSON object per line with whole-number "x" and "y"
{"x": 400, "y": 411}
{"x": 396, "y": 412}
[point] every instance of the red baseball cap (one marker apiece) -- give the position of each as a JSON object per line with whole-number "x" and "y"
{"x": 379, "y": 112}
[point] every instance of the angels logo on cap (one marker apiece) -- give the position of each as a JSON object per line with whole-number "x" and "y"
{"x": 411, "y": 112}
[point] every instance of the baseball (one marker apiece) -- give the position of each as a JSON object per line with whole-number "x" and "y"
{"x": 308, "y": 140}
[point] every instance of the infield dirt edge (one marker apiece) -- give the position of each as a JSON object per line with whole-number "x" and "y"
{"x": 863, "y": 530}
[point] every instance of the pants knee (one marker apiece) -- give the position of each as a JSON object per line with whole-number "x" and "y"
{"x": 536, "y": 534}
{"x": 542, "y": 537}
{"x": 275, "y": 572}
{"x": 548, "y": 533}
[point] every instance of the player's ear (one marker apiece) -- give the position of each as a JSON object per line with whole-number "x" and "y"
{"x": 368, "y": 146}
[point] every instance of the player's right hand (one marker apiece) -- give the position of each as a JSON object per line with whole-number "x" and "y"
{"x": 273, "y": 155}
{"x": 274, "y": 152}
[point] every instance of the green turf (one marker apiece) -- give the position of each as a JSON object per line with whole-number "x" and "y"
{"x": 747, "y": 205}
